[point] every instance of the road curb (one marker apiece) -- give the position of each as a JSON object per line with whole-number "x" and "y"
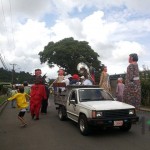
{"x": 3, "y": 105}
{"x": 145, "y": 109}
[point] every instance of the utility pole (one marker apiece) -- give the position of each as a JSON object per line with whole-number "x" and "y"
{"x": 13, "y": 71}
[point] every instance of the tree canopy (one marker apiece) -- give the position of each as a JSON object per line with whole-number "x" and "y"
{"x": 19, "y": 77}
{"x": 67, "y": 53}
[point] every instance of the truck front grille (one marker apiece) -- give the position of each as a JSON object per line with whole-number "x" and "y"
{"x": 115, "y": 113}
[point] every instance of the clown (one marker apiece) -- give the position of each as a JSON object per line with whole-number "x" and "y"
{"x": 37, "y": 93}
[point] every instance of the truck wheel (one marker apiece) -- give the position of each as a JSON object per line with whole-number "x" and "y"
{"x": 61, "y": 114}
{"x": 126, "y": 127}
{"x": 83, "y": 125}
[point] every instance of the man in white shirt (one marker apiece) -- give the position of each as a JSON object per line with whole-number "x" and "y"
{"x": 87, "y": 82}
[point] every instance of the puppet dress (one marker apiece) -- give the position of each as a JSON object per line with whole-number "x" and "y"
{"x": 132, "y": 90}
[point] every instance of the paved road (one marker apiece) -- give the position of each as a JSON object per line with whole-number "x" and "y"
{"x": 51, "y": 134}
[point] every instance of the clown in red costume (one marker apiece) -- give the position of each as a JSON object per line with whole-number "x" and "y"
{"x": 37, "y": 94}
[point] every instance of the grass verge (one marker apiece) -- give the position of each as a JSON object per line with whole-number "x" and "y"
{"x": 3, "y": 98}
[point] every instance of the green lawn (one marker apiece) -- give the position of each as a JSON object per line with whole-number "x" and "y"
{"x": 3, "y": 98}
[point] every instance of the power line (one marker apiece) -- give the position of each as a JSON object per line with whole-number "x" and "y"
{"x": 4, "y": 59}
{"x": 5, "y": 27}
{"x": 11, "y": 24}
{"x": 3, "y": 63}
{"x": 12, "y": 29}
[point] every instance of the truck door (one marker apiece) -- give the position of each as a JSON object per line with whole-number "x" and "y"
{"x": 72, "y": 106}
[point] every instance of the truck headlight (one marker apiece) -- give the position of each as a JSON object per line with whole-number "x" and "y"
{"x": 131, "y": 112}
{"x": 96, "y": 114}
{"x": 99, "y": 114}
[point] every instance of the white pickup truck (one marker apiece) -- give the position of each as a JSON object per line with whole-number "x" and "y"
{"x": 91, "y": 106}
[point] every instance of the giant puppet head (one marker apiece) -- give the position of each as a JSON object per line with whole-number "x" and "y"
{"x": 61, "y": 72}
{"x": 38, "y": 72}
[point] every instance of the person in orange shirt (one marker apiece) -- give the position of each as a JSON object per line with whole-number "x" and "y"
{"x": 22, "y": 104}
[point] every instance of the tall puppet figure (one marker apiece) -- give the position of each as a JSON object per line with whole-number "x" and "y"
{"x": 60, "y": 77}
{"x": 104, "y": 80}
{"x": 92, "y": 73}
{"x": 38, "y": 93}
{"x": 38, "y": 72}
{"x": 132, "y": 90}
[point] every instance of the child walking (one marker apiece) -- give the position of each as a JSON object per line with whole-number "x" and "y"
{"x": 22, "y": 104}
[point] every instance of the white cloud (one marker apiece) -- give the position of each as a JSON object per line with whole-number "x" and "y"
{"x": 30, "y": 39}
{"x": 124, "y": 48}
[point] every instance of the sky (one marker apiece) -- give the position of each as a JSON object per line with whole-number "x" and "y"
{"x": 113, "y": 28}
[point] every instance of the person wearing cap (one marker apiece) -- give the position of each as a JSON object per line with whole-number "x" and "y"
{"x": 132, "y": 90}
{"x": 119, "y": 90}
{"x": 75, "y": 80}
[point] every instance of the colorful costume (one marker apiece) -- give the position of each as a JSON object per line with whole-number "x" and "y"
{"x": 22, "y": 104}
{"x": 20, "y": 99}
{"x": 37, "y": 94}
{"x": 104, "y": 81}
{"x": 61, "y": 76}
{"x": 132, "y": 91}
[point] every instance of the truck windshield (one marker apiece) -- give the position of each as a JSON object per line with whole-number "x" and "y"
{"x": 94, "y": 95}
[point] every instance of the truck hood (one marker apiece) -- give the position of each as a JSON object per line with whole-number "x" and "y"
{"x": 107, "y": 105}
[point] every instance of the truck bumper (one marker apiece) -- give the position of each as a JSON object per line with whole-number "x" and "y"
{"x": 110, "y": 122}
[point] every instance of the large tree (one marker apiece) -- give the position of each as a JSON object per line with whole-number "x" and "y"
{"x": 67, "y": 53}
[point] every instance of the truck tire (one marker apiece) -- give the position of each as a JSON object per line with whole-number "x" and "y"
{"x": 83, "y": 125}
{"x": 61, "y": 113}
{"x": 126, "y": 127}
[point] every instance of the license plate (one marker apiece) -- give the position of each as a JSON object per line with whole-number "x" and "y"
{"x": 118, "y": 123}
